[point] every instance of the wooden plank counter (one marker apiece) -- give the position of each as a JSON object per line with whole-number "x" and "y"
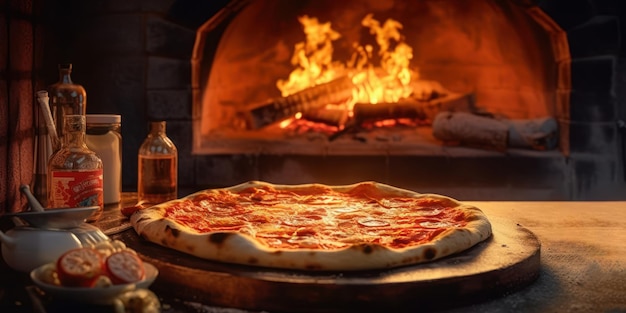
{"x": 583, "y": 256}
{"x": 583, "y": 261}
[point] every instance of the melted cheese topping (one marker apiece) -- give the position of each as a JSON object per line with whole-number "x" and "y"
{"x": 319, "y": 219}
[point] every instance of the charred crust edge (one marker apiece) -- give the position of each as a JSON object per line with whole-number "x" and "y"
{"x": 218, "y": 238}
{"x": 367, "y": 249}
{"x": 313, "y": 266}
{"x": 429, "y": 253}
{"x": 175, "y": 232}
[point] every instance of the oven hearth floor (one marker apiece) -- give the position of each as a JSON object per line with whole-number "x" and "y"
{"x": 382, "y": 141}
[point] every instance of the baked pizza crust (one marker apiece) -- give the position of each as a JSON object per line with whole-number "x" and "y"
{"x": 239, "y": 248}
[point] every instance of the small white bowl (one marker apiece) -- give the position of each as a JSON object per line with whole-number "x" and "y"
{"x": 58, "y": 218}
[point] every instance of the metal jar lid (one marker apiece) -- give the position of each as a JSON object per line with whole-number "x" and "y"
{"x": 103, "y": 119}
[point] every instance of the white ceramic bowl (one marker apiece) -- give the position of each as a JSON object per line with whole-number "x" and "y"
{"x": 60, "y": 218}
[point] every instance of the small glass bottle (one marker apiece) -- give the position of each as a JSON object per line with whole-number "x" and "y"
{"x": 75, "y": 172}
{"x": 66, "y": 98}
{"x": 157, "y": 179}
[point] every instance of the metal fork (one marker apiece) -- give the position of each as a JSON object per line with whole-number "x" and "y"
{"x": 89, "y": 235}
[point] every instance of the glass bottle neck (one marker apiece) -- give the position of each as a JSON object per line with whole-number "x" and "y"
{"x": 75, "y": 140}
{"x": 65, "y": 71}
{"x": 157, "y": 128}
{"x": 75, "y": 131}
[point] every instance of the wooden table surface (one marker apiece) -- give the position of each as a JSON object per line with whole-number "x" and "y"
{"x": 583, "y": 257}
{"x": 583, "y": 261}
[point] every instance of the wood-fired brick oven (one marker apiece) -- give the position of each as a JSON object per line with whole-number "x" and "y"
{"x": 181, "y": 62}
{"x": 484, "y": 57}
{"x": 510, "y": 59}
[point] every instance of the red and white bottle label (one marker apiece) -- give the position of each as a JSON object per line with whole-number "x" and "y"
{"x": 71, "y": 189}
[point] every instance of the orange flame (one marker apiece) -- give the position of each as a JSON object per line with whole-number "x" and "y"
{"x": 390, "y": 81}
{"x": 312, "y": 58}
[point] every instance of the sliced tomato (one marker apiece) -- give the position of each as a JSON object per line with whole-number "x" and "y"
{"x": 124, "y": 267}
{"x": 129, "y": 210}
{"x": 79, "y": 267}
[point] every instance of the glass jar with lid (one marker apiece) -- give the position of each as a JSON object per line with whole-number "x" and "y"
{"x": 104, "y": 137}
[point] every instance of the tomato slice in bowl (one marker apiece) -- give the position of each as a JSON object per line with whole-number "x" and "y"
{"x": 79, "y": 267}
{"x": 124, "y": 267}
{"x": 95, "y": 295}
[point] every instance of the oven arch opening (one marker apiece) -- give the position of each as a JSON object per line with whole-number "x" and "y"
{"x": 510, "y": 60}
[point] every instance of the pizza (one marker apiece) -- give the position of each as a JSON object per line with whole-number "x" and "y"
{"x": 314, "y": 227}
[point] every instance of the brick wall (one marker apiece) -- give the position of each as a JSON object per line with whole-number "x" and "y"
{"x": 21, "y": 55}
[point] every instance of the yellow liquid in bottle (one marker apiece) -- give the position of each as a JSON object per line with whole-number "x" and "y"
{"x": 157, "y": 179}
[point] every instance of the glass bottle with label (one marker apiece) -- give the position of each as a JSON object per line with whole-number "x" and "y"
{"x": 75, "y": 177}
{"x": 157, "y": 179}
{"x": 66, "y": 98}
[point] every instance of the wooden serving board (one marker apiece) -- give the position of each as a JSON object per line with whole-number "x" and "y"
{"x": 504, "y": 263}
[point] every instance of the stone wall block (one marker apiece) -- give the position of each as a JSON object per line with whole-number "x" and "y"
{"x": 167, "y": 39}
{"x": 594, "y": 138}
{"x": 113, "y": 34}
{"x": 167, "y": 73}
{"x": 568, "y": 13}
{"x": 599, "y": 36}
{"x": 225, "y": 170}
{"x": 169, "y": 104}
{"x": 592, "y": 107}
{"x": 597, "y": 177}
{"x": 593, "y": 74}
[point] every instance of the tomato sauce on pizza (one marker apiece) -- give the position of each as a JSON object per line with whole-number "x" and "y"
{"x": 273, "y": 225}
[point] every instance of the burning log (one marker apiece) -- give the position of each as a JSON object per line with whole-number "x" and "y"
{"x": 451, "y": 102}
{"x": 421, "y": 111}
{"x": 329, "y": 116}
{"x": 412, "y": 108}
{"x": 405, "y": 108}
{"x": 308, "y": 100}
{"x": 365, "y": 113}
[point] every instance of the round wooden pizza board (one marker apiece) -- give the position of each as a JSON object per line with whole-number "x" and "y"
{"x": 504, "y": 263}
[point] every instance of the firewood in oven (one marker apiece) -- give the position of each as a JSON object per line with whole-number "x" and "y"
{"x": 405, "y": 108}
{"x": 330, "y": 116}
{"x": 472, "y": 130}
{"x": 537, "y": 134}
{"x": 425, "y": 90}
{"x": 307, "y": 100}
{"x": 496, "y": 132}
{"x": 414, "y": 108}
{"x": 454, "y": 102}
